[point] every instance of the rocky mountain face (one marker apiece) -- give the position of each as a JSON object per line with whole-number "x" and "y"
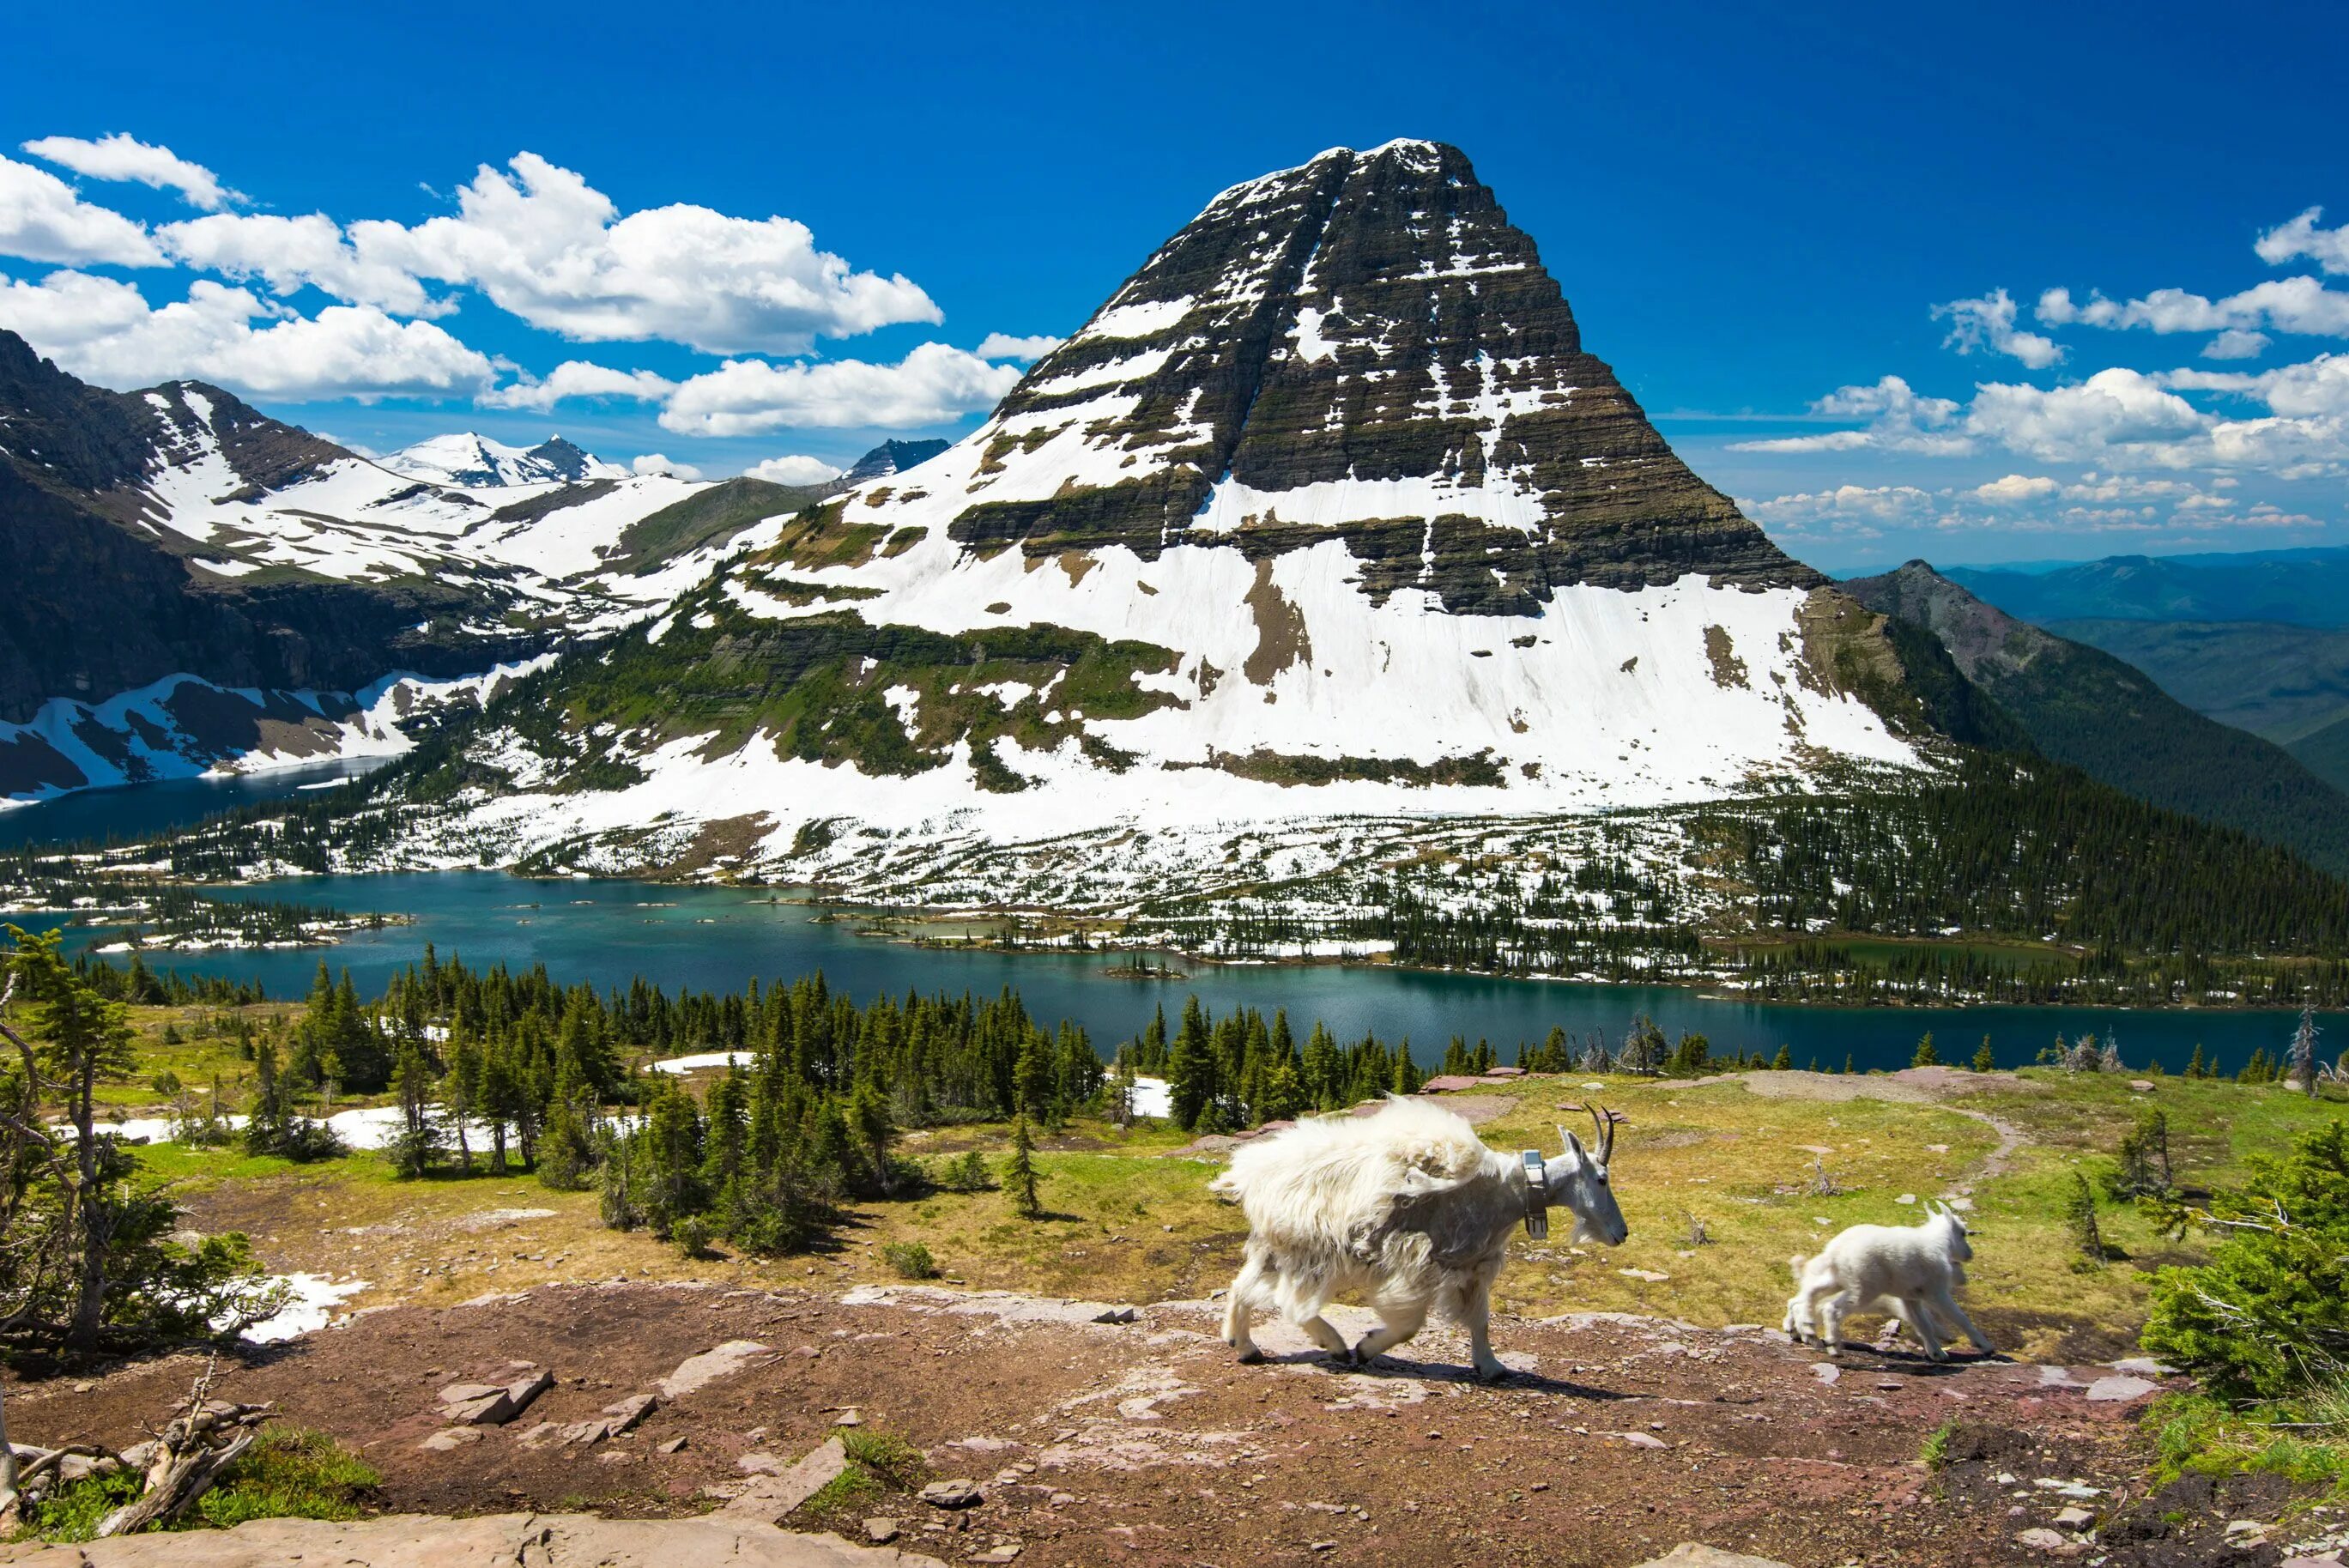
{"x": 1361, "y": 348}
{"x": 891, "y": 457}
{"x": 2082, "y": 707}
{"x": 1326, "y": 511}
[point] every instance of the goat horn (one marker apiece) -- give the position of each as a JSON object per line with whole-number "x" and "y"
{"x": 1605, "y": 1133}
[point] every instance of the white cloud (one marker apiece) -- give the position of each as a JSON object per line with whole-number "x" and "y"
{"x": 2113, "y": 412}
{"x": 103, "y": 330}
{"x": 654, "y": 463}
{"x": 124, "y": 157}
{"x": 2235, "y": 343}
{"x": 1849, "y": 511}
{"x": 288, "y": 252}
{"x": 931, "y": 385}
{"x": 1003, "y": 346}
{"x": 578, "y": 378}
{"x": 548, "y": 247}
{"x": 2015, "y": 489}
{"x": 2301, "y": 238}
{"x": 42, "y": 220}
{"x": 794, "y": 469}
{"x": 2313, "y": 388}
{"x": 1988, "y": 323}
{"x": 2299, "y": 304}
{"x": 1899, "y": 421}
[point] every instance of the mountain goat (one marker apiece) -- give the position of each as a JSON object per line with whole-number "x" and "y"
{"x": 1905, "y": 1271}
{"x": 1406, "y": 1208}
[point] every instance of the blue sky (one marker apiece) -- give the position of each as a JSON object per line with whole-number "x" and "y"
{"x": 1755, "y": 215}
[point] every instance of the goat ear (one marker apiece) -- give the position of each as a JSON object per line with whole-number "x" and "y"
{"x": 1571, "y": 1144}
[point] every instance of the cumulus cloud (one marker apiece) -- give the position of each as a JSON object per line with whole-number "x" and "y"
{"x": 1898, "y": 419}
{"x": 2302, "y": 239}
{"x": 545, "y": 245}
{"x": 1003, "y": 346}
{"x": 654, "y": 463}
{"x": 42, "y": 220}
{"x": 794, "y": 469}
{"x": 2299, "y": 304}
{"x": 2236, "y": 344}
{"x": 103, "y": 330}
{"x": 578, "y": 378}
{"x": 124, "y": 157}
{"x": 2112, "y": 412}
{"x": 288, "y": 252}
{"x": 1857, "y": 512}
{"x": 2016, "y": 490}
{"x": 1988, "y": 323}
{"x": 932, "y": 385}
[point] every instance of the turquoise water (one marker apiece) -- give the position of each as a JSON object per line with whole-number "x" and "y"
{"x": 137, "y": 810}
{"x": 718, "y": 939}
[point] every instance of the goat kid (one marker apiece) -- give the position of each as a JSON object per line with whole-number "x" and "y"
{"x": 1405, "y": 1208}
{"x": 1907, "y": 1272}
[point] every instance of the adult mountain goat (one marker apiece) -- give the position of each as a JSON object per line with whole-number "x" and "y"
{"x": 1906, "y": 1270}
{"x": 1406, "y": 1208}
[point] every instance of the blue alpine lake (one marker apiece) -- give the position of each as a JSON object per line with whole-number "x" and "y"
{"x": 605, "y": 930}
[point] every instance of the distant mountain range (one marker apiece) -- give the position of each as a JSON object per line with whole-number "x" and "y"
{"x": 2086, "y": 707}
{"x": 2258, "y": 640}
{"x": 473, "y": 461}
{"x": 195, "y": 585}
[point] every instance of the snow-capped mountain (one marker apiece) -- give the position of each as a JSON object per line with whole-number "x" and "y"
{"x": 196, "y": 585}
{"x": 1325, "y": 516}
{"x": 472, "y": 461}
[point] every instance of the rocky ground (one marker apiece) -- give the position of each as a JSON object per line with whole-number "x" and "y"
{"x": 1144, "y": 1442}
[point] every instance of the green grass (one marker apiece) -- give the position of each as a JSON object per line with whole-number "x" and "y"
{"x": 2307, "y": 1442}
{"x": 1935, "y": 1451}
{"x": 878, "y": 1463}
{"x": 290, "y": 1472}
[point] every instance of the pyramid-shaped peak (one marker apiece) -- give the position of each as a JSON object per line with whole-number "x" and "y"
{"x": 1364, "y": 346}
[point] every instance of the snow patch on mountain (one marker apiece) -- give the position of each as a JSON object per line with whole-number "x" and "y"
{"x": 470, "y": 461}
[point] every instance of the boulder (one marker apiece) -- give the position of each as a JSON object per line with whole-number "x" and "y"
{"x": 772, "y": 1498}
{"x": 960, "y": 1492}
{"x": 625, "y": 1413}
{"x": 524, "y": 1391}
{"x": 491, "y": 1409}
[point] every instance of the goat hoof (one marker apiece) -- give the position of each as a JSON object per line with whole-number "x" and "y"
{"x": 1251, "y": 1356}
{"x": 1496, "y": 1373}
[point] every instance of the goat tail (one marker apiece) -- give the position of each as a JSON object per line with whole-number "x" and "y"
{"x": 1797, "y": 1264}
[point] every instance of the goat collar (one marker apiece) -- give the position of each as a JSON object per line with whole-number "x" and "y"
{"x": 1537, "y": 1195}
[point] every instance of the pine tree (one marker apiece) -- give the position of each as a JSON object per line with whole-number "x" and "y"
{"x": 2080, "y": 1217}
{"x": 1984, "y": 1061}
{"x": 2144, "y": 1167}
{"x": 2301, "y": 1063}
{"x": 1190, "y": 1069}
{"x": 416, "y": 1147}
{"x": 1926, "y": 1056}
{"x": 1406, "y": 1076}
{"x": 2196, "y": 1067}
{"x": 1847, "y": 1068}
{"x": 1785, "y": 1060}
{"x": 1020, "y": 1176}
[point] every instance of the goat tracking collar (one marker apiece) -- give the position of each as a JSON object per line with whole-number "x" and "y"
{"x": 1537, "y": 1195}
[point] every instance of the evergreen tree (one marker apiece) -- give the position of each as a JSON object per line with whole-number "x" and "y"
{"x": 415, "y": 1146}
{"x": 1020, "y": 1176}
{"x": 1190, "y": 1068}
{"x": 2301, "y": 1061}
{"x": 2196, "y": 1067}
{"x": 2080, "y": 1218}
{"x": 1926, "y": 1056}
{"x": 1785, "y": 1060}
{"x": 1984, "y": 1061}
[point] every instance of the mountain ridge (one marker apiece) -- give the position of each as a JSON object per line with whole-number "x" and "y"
{"x": 2082, "y": 707}
{"x": 1326, "y": 512}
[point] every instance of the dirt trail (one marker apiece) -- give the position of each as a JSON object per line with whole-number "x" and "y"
{"x": 1147, "y": 1443}
{"x": 1910, "y": 1086}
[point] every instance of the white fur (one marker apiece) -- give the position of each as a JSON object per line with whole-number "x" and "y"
{"x": 1405, "y": 1208}
{"x": 1907, "y": 1272}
